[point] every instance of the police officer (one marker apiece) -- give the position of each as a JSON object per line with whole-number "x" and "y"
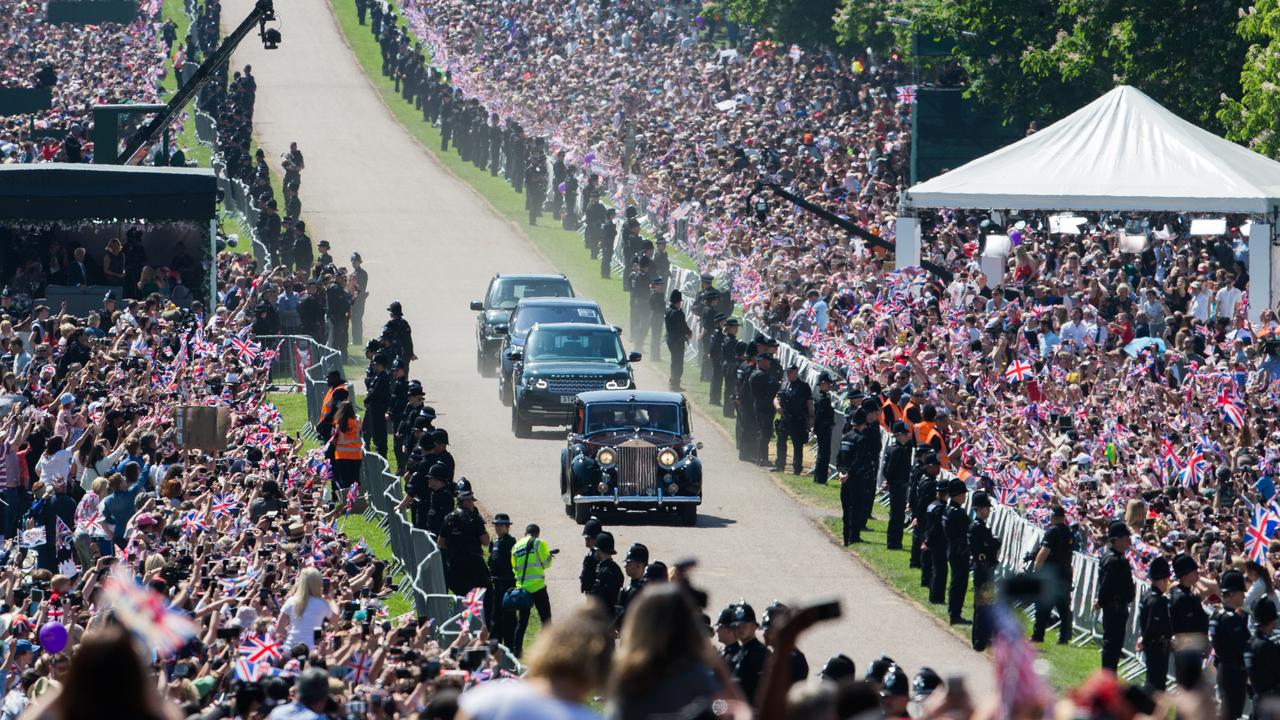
{"x": 1054, "y": 556}
{"x": 895, "y": 471}
{"x": 429, "y": 498}
{"x": 713, "y": 361}
{"x": 824, "y": 421}
{"x": 399, "y": 396}
{"x": 587, "y": 577}
{"x": 744, "y": 427}
{"x": 855, "y": 479}
{"x": 727, "y": 636}
{"x": 1115, "y": 593}
{"x": 377, "y": 404}
{"x": 774, "y": 615}
{"x": 607, "y": 238}
{"x": 398, "y": 336}
{"x": 794, "y": 402}
{"x": 1155, "y": 632}
{"x": 594, "y": 219}
{"x": 633, "y": 566}
{"x": 502, "y": 623}
{"x": 704, "y": 308}
{"x": 751, "y": 655}
{"x": 934, "y": 549}
{"x": 838, "y": 668}
{"x": 657, "y": 311}
{"x": 763, "y": 388}
{"x": 413, "y": 411}
{"x": 728, "y": 364}
{"x": 923, "y": 488}
{"x": 1229, "y": 635}
{"x": 462, "y": 539}
{"x": 1263, "y": 658}
{"x": 608, "y": 576}
{"x": 637, "y": 287}
{"x": 956, "y": 524}
{"x": 895, "y": 694}
{"x": 1186, "y": 611}
{"x": 984, "y": 551}
{"x": 678, "y": 335}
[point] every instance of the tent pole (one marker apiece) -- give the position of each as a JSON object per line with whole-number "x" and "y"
{"x": 213, "y": 267}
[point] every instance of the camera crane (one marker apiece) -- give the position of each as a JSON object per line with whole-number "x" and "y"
{"x": 262, "y": 13}
{"x": 848, "y": 226}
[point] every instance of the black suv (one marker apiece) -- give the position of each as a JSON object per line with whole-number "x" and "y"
{"x": 501, "y": 297}
{"x": 560, "y": 360}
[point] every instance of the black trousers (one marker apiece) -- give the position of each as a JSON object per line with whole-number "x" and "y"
{"x": 677, "y": 363}
{"x": 917, "y": 537}
{"x": 744, "y": 430}
{"x": 848, "y": 509}
{"x": 639, "y": 319}
{"x": 983, "y": 590}
{"x": 374, "y": 429}
{"x": 541, "y": 603}
{"x": 764, "y": 433}
{"x": 959, "y": 586}
{"x": 822, "y": 459}
{"x": 797, "y": 436}
{"x": 717, "y": 379}
{"x": 897, "y": 515}
{"x": 1061, "y": 603}
{"x": 464, "y": 572}
{"x": 866, "y": 499}
{"x": 727, "y": 395}
{"x": 1114, "y": 619}
{"x": 655, "y": 337}
{"x": 502, "y": 623}
{"x": 704, "y": 347}
{"x": 1157, "y": 657}
{"x": 926, "y": 561}
{"x": 938, "y": 576}
{"x": 606, "y": 260}
{"x": 1231, "y": 689}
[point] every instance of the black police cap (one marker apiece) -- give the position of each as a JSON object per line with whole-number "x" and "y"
{"x": 879, "y": 668}
{"x": 1159, "y": 569}
{"x": 592, "y": 528}
{"x": 981, "y": 500}
{"x": 837, "y": 668}
{"x": 637, "y": 553}
{"x": 925, "y": 682}
{"x": 1265, "y": 611}
{"x": 1117, "y": 529}
{"x": 1231, "y": 581}
{"x": 1184, "y": 565}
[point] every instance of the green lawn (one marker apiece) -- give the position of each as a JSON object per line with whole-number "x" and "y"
{"x": 187, "y": 140}
{"x": 293, "y": 408}
{"x": 566, "y": 252}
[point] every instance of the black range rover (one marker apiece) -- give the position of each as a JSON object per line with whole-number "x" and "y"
{"x": 560, "y": 360}
{"x": 499, "y": 300}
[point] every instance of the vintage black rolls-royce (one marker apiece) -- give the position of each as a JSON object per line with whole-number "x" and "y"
{"x": 631, "y": 450}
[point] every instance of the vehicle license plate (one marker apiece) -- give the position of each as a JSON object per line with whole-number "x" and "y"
{"x": 567, "y": 399}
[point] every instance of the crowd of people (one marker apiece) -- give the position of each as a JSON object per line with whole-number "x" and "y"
{"x": 1088, "y": 383}
{"x": 84, "y": 65}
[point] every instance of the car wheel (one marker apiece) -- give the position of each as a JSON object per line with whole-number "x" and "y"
{"x": 688, "y": 514}
{"x": 519, "y": 426}
{"x": 581, "y": 513}
{"x": 504, "y": 391}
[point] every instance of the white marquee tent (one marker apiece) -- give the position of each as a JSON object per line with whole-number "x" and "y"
{"x": 1123, "y": 151}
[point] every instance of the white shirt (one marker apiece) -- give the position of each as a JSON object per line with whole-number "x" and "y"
{"x": 515, "y": 700}
{"x": 302, "y": 629}
{"x": 1200, "y": 306}
{"x": 1073, "y": 334}
{"x": 1228, "y": 299}
{"x": 53, "y": 469}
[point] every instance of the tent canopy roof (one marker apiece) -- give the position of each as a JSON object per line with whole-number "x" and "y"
{"x": 1122, "y": 151}
{"x": 65, "y": 191}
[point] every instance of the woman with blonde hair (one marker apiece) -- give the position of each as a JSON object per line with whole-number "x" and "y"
{"x": 113, "y": 263}
{"x": 305, "y": 610}
{"x": 568, "y": 661}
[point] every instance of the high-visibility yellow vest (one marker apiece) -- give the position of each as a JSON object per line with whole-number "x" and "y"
{"x": 347, "y": 444}
{"x": 530, "y": 559}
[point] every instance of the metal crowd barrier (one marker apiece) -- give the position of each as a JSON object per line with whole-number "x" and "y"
{"x": 415, "y": 553}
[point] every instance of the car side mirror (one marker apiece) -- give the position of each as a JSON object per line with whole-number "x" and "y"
{"x": 633, "y": 357}
{"x": 477, "y": 306}
{"x": 500, "y": 329}
{"x": 516, "y": 355}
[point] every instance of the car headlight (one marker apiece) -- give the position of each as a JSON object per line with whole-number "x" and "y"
{"x": 617, "y": 385}
{"x": 667, "y": 458}
{"x": 540, "y": 384}
{"x": 606, "y": 457}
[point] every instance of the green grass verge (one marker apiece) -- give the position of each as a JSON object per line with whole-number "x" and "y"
{"x": 293, "y": 408}
{"x": 565, "y": 250}
{"x": 186, "y": 139}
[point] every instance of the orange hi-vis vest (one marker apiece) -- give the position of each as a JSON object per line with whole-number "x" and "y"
{"x": 889, "y": 413}
{"x": 925, "y": 432}
{"x": 327, "y": 404}
{"x": 347, "y": 444}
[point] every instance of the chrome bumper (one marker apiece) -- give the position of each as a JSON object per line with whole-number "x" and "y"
{"x": 658, "y": 500}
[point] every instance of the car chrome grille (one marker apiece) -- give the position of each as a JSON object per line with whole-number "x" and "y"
{"x": 637, "y": 468}
{"x": 572, "y": 384}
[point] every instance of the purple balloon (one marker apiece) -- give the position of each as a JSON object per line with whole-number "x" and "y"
{"x": 560, "y": 188}
{"x": 1015, "y": 237}
{"x": 53, "y": 636}
{"x": 588, "y": 159}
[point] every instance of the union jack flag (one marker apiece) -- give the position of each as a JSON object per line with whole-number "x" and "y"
{"x": 223, "y": 505}
{"x": 1258, "y": 536}
{"x": 64, "y": 534}
{"x": 146, "y": 612}
{"x": 473, "y": 604}
{"x": 360, "y": 665}
{"x": 193, "y": 521}
{"x": 257, "y": 648}
{"x": 1232, "y": 409}
{"x": 1007, "y": 495}
{"x": 246, "y": 350}
{"x": 1019, "y": 371}
{"x": 907, "y": 94}
{"x": 1196, "y": 466}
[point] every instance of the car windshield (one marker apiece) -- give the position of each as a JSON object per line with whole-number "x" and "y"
{"x": 527, "y": 315}
{"x": 506, "y": 292}
{"x": 653, "y": 416}
{"x": 593, "y": 344}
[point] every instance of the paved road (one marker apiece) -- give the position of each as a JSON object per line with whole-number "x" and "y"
{"x": 430, "y": 242}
